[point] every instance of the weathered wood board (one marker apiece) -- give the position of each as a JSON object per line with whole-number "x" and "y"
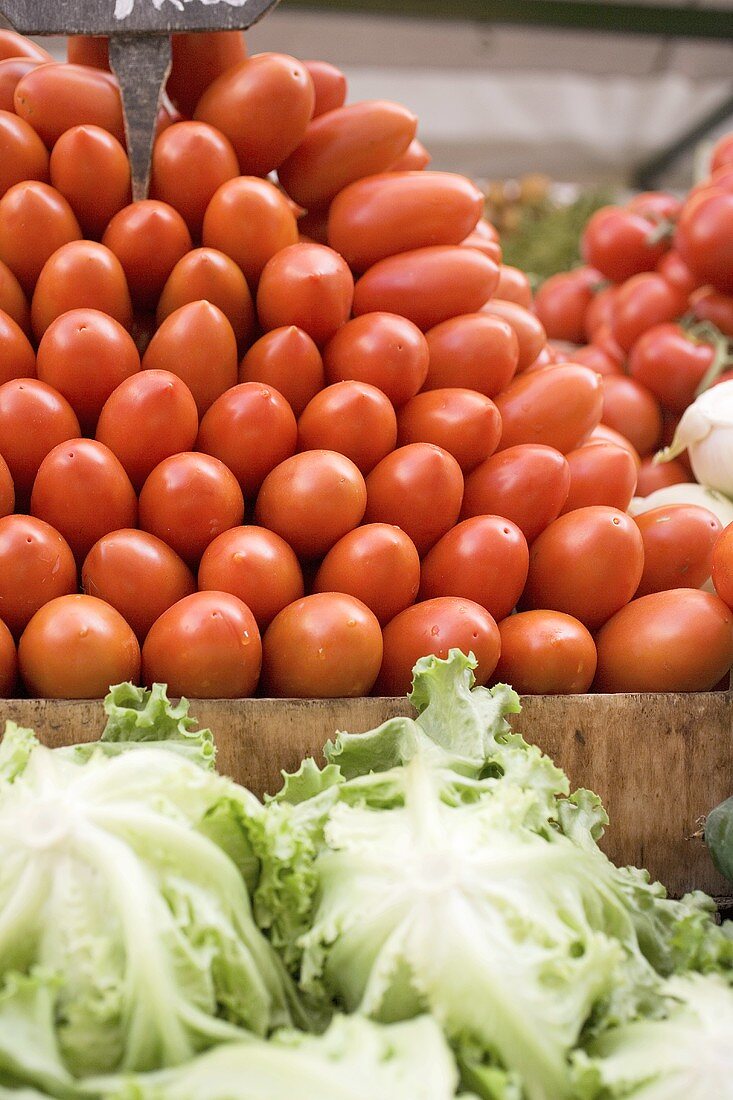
{"x": 659, "y": 762}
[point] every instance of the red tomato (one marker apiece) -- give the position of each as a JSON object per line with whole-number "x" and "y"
{"x": 657, "y": 206}
{"x": 669, "y": 641}
{"x": 53, "y": 98}
{"x": 557, "y": 407}
{"x": 328, "y": 645}
{"x": 307, "y": 285}
{"x": 484, "y": 559}
{"x": 8, "y": 663}
{"x": 676, "y": 272}
{"x": 12, "y": 299}
{"x": 75, "y": 647}
{"x": 33, "y": 419}
{"x": 311, "y": 500}
{"x": 197, "y": 343}
{"x": 550, "y": 355}
{"x": 643, "y": 301}
{"x": 263, "y": 105}
{"x": 17, "y": 358}
{"x": 709, "y": 305}
{"x": 35, "y": 220}
{"x": 90, "y": 169}
{"x": 597, "y": 359}
{"x": 670, "y": 364}
{"x": 704, "y": 238}
{"x": 80, "y": 275}
{"x": 15, "y": 45}
{"x": 722, "y": 153}
{"x": 514, "y": 286}
{"x": 527, "y": 484}
{"x": 36, "y": 565}
{"x": 381, "y": 349}
{"x": 722, "y": 566}
{"x": 148, "y": 238}
{"x": 604, "y": 339}
{"x": 653, "y": 476}
{"x": 475, "y": 352}
{"x": 7, "y": 489}
{"x": 678, "y": 547}
{"x": 85, "y": 355}
{"x": 255, "y": 565}
{"x": 418, "y": 488}
{"x": 427, "y": 285}
{"x": 488, "y": 246}
{"x": 376, "y": 563}
{"x": 249, "y": 220}
{"x": 23, "y": 155}
{"x": 345, "y": 145}
{"x": 414, "y": 159}
{"x": 393, "y": 212}
{"x": 198, "y": 59}
{"x": 528, "y": 329}
{"x": 251, "y": 429}
{"x": 436, "y": 626}
{"x": 82, "y": 490}
{"x": 188, "y": 500}
{"x": 206, "y": 646}
{"x": 88, "y": 50}
{"x": 148, "y": 417}
{"x": 138, "y": 575}
{"x": 329, "y": 85}
{"x": 546, "y": 653}
{"x": 562, "y": 301}
{"x": 464, "y": 423}
{"x": 620, "y": 243}
{"x": 629, "y": 408}
{"x": 353, "y": 418}
{"x": 600, "y": 311}
{"x": 191, "y": 160}
{"x": 206, "y": 275}
{"x": 604, "y": 434}
{"x": 600, "y": 474}
{"x": 288, "y": 359}
{"x": 587, "y": 563}
{"x": 12, "y": 71}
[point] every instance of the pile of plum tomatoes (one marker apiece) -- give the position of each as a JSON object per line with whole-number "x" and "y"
{"x": 290, "y": 424}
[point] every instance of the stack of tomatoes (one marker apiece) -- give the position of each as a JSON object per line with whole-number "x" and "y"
{"x": 289, "y": 424}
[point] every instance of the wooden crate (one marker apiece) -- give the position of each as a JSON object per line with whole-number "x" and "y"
{"x": 659, "y": 762}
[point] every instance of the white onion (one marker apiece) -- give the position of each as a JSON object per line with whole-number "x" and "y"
{"x": 706, "y": 431}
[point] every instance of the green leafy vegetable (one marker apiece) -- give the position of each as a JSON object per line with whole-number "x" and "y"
{"x": 719, "y": 837}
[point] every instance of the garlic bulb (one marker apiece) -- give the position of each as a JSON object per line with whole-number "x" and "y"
{"x": 706, "y": 431}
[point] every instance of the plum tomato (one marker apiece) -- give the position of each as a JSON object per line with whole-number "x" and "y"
{"x": 658, "y": 475}
{"x": 249, "y": 220}
{"x": 527, "y": 484}
{"x": 558, "y": 407}
{"x": 198, "y": 59}
{"x": 603, "y": 434}
{"x": 527, "y": 327}
{"x": 35, "y": 220}
{"x": 207, "y": 275}
{"x": 597, "y": 359}
{"x": 722, "y": 566}
{"x": 191, "y": 160}
{"x": 620, "y": 243}
{"x": 562, "y": 300}
{"x": 288, "y": 359}
{"x": 329, "y": 86}
{"x": 325, "y": 646}
{"x": 189, "y": 499}
{"x": 74, "y": 647}
{"x": 36, "y": 565}
{"x": 473, "y": 352}
{"x": 17, "y": 358}
{"x": 681, "y": 640}
{"x": 206, "y": 646}
{"x": 704, "y": 238}
{"x": 600, "y": 474}
{"x": 414, "y": 159}
{"x": 312, "y": 500}
{"x": 148, "y": 417}
{"x": 23, "y": 155}
{"x": 255, "y": 565}
{"x": 418, "y": 488}
{"x": 464, "y": 423}
{"x": 307, "y": 285}
{"x": 378, "y": 564}
{"x": 381, "y": 349}
{"x": 54, "y": 98}
{"x": 435, "y": 627}
{"x": 251, "y": 429}
{"x": 670, "y": 364}
{"x": 643, "y": 301}
{"x": 80, "y": 275}
{"x": 678, "y": 547}
{"x": 8, "y": 663}
{"x": 484, "y": 559}
{"x": 197, "y": 343}
{"x": 12, "y": 299}
{"x": 514, "y": 286}
{"x": 599, "y": 313}
{"x": 353, "y": 418}
{"x": 587, "y": 563}
{"x": 632, "y": 410}
{"x": 7, "y": 489}
{"x": 138, "y": 575}
{"x": 90, "y": 169}
{"x": 16, "y": 45}
{"x": 12, "y": 71}
{"x": 148, "y": 238}
{"x": 546, "y": 653}
{"x": 33, "y": 419}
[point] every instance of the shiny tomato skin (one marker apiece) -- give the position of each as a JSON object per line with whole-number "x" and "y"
{"x": 630, "y": 408}
{"x": 475, "y": 352}
{"x": 601, "y": 474}
{"x": 382, "y": 349}
{"x": 587, "y": 563}
{"x": 251, "y": 429}
{"x": 90, "y": 169}
{"x": 618, "y": 243}
{"x": 324, "y": 646}
{"x": 484, "y": 559}
{"x": 148, "y": 238}
{"x": 527, "y": 484}
{"x": 561, "y": 303}
{"x": 206, "y": 646}
{"x": 653, "y": 476}
{"x": 530, "y": 334}
{"x": 36, "y": 565}
{"x": 74, "y": 647}
{"x": 392, "y": 212}
{"x": 23, "y": 155}
{"x": 148, "y": 417}
{"x": 644, "y": 301}
{"x": 80, "y": 275}
{"x": 704, "y": 238}
{"x": 53, "y": 98}
{"x": 670, "y": 364}
{"x": 138, "y": 575}
{"x": 306, "y": 285}
{"x": 82, "y": 490}
{"x": 35, "y": 220}
{"x": 88, "y": 50}
{"x": 288, "y": 359}
{"x": 414, "y": 159}
{"x": 17, "y": 45}
{"x": 197, "y": 343}
{"x": 34, "y": 418}
{"x": 597, "y": 359}
{"x": 255, "y": 565}
{"x": 207, "y": 275}
{"x": 514, "y": 286}
{"x": 604, "y": 434}
{"x": 329, "y": 86}
{"x": 464, "y": 423}
{"x": 344, "y": 145}
{"x": 436, "y": 626}
{"x": 189, "y": 499}
{"x": 198, "y": 59}
{"x": 427, "y": 285}
{"x": 557, "y": 407}
{"x": 12, "y": 299}
{"x": 353, "y": 418}
{"x": 17, "y": 358}
{"x": 678, "y": 547}
{"x": 249, "y": 220}
{"x": 680, "y": 640}
{"x": 376, "y": 563}
{"x": 418, "y": 488}
{"x": 676, "y": 272}
{"x": 722, "y": 566}
{"x": 12, "y": 71}
{"x": 7, "y": 490}
{"x": 8, "y": 663}
{"x": 263, "y": 106}
{"x": 191, "y": 160}
{"x": 312, "y": 500}
{"x": 546, "y": 653}
{"x": 85, "y": 355}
